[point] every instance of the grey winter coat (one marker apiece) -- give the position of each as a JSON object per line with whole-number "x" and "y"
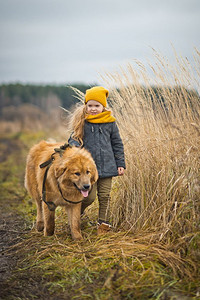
{"x": 103, "y": 141}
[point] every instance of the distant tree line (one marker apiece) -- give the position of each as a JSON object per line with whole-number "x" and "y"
{"x": 48, "y": 97}
{"x": 42, "y": 96}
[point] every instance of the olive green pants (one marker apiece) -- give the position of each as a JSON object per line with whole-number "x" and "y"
{"x": 102, "y": 189}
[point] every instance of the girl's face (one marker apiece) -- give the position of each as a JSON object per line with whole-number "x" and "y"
{"x": 93, "y": 107}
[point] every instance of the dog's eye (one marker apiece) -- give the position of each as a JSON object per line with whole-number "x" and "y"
{"x": 77, "y": 174}
{"x": 87, "y": 172}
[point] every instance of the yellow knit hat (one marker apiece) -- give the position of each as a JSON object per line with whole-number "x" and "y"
{"x": 97, "y": 93}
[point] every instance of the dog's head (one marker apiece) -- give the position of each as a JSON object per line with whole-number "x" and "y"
{"x": 78, "y": 168}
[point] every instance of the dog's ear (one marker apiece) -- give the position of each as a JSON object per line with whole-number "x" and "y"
{"x": 94, "y": 175}
{"x": 59, "y": 170}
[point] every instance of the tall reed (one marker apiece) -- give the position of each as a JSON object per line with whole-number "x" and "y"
{"x": 159, "y": 122}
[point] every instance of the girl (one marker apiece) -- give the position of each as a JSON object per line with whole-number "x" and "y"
{"x": 95, "y": 128}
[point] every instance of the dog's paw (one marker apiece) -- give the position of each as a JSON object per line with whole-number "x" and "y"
{"x": 48, "y": 232}
{"x": 40, "y": 226}
{"x": 77, "y": 236}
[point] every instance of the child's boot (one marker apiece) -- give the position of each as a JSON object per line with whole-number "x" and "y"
{"x": 103, "y": 227}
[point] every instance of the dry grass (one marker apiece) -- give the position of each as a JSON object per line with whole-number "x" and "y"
{"x": 104, "y": 267}
{"x": 161, "y": 132}
{"x": 114, "y": 265}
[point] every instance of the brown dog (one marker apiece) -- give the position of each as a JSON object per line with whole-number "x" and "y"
{"x": 70, "y": 172}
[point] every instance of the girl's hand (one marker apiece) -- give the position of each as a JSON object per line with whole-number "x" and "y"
{"x": 120, "y": 171}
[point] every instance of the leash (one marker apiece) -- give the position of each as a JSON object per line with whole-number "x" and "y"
{"x": 51, "y": 205}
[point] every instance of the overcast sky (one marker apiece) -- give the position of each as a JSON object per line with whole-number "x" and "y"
{"x": 71, "y": 41}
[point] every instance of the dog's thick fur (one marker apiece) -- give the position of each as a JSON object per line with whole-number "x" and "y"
{"x": 75, "y": 171}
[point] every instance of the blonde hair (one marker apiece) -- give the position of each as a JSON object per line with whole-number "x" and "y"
{"x": 76, "y": 122}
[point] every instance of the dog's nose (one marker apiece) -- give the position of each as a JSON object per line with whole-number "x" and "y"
{"x": 86, "y": 186}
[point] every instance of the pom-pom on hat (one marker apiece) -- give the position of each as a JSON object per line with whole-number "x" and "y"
{"x": 97, "y": 93}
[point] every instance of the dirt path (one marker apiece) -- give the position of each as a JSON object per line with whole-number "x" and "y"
{"x": 12, "y": 284}
{"x": 13, "y": 228}
{"x": 11, "y": 233}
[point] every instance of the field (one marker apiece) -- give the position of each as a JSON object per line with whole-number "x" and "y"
{"x": 153, "y": 250}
